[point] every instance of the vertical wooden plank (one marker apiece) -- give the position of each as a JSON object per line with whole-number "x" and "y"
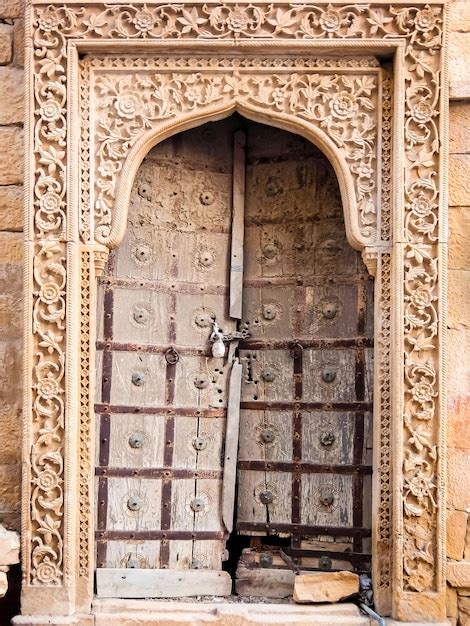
{"x": 236, "y": 261}
{"x": 231, "y": 445}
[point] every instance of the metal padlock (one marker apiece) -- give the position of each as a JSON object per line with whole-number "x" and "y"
{"x": 134, "y": 503}
{"x": 328, "y": 375}
{"x": 138, "y": 379}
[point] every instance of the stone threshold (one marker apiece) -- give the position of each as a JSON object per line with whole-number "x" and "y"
{"x": 119, "y": 612}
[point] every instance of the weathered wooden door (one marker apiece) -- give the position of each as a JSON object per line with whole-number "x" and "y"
{"x": 304, "y": 464}
{"x": 166, "y": 463}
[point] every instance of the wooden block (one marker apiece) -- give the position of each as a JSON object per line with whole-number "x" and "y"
{"x": 264, "y": 583}
{"x": 325, "y": 587}
{"x": 161, "y": 583}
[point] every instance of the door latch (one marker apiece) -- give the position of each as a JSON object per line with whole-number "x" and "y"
{"x": 218, "y": 339}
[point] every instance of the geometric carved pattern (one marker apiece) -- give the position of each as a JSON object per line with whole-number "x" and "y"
{"x": 417, "y": 31}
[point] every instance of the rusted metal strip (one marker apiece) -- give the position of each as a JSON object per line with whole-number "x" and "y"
{"x": 304, "y": 281}
{"x": 352, "y": 557}
{"x": 360, "y": 389}
{"x": 102, "y": 513}
{"x": 166, "y": 495}
{"x": 238, "y": 216}
{"x": 303, "y": 530}
{"x": 296, "y": 352}
{"x": 258, "y": 405}
{"x": 105, "y": 433}
{"x": 148, "y": 535}
{"x": 195, "y": 412}
{"x": 281, "y": 344}
{"x": 151, "y": 348}
{"x": 166, "y": 473}
{"x": 179, "y": 287}
{"x": 298, "y": 467}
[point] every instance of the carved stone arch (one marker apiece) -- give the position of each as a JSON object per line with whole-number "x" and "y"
{"x": 271, "y": 118}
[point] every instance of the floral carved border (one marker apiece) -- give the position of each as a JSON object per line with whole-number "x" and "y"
{"x": 147, "y": 93}
{"x": 415, "y": 232}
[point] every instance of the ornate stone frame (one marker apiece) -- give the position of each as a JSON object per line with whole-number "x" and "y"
{"x": 274, "y": 62}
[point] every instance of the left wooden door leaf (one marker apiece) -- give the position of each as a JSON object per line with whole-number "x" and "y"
{"x": 162, "y": 397}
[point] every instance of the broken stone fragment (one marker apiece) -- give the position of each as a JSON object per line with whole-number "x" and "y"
{"x": 3, "y": 584}
{"x": 9, "y": 547}
{"x": 325, "y": 586}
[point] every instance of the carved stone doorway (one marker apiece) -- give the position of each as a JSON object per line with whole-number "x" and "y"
{"x": 365, "y": 83}
{"x": 237, "y": 227}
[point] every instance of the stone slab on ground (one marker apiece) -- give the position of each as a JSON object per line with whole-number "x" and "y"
{"x": 325, "y": 586}
{"x": 9, "y": 547}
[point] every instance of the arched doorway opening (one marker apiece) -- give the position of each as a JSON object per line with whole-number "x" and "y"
{"x": 234, "y": 364}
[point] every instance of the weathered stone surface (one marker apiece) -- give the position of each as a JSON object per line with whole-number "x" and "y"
{"x": 11, "y": 95}
{"x": 458, "y": 16}
{"x": 11, "y": 207}
{"x": 11, "y": 248}
{"x": 459, "y": 288}
{"x": 459, "y": 52}
{"x": 456, "y": 531}
{"x": 9, "y": 547}
{"x": 3, "y": 584}
{"x": 458, "y": 466}
{"x": 451, "y": 602}
{"x": 6, "y": 43}
{"x": 458, "y": 389}
{"x": 459, "y": 175}
{"x": 10, "y": 434}
{"x": 18, "y": 43}
{"x": 325, "y": 586}
{"x": 459, "y": 127}
{"x": 11, "y": 163}
{"x": 9, "y": 488}
{"x": 11, "y": 8}
{"x": 458, "y": 574}
{"x": 459, "y": 238}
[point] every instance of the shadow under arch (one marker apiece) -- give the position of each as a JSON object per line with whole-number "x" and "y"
{"x": 282, "y": 121}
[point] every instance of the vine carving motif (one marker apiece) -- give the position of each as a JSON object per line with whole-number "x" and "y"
{"x": 344, "y": 106}
{"x": 138, "y": 101}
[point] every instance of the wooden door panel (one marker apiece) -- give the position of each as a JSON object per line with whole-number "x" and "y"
{"x": 207, "y": 434}
{"x": 145, "y": 496}
{"x": 201, "y": 382}
{"x": 267, "y": 375}
{"x": 317, "y": 490}
{"x": 148, "y": 368}
{"x": 144, "y": 316}
{"x": 322, "y": 365}
{"x": 255, "y": 489}
{"x": 327, "y": 437}
{"x": 265, "y": 435}
{"x": 195, "y": 315}
{"x": 133, "y": 553}
{"x": 136, "y": 440}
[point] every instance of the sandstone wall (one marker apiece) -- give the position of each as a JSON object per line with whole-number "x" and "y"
{"x": 11, "y": 115}
{"x": 458, "y": 525}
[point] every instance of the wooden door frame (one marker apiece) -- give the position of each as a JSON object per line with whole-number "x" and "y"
{"x": 266, "y": 61}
